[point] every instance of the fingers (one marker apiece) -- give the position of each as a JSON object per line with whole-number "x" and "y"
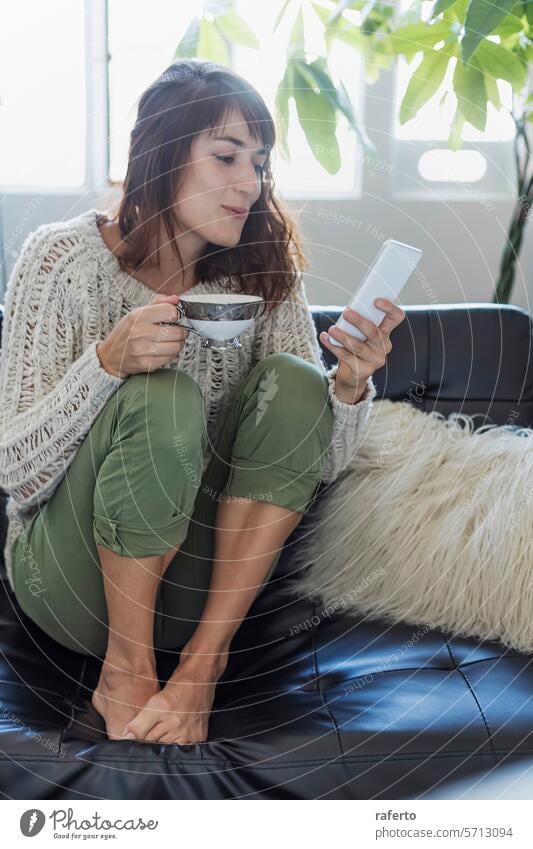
{"x": 351, "y": 345}
{"x": 162, "y": 312}
{"x": 394, "y": 314}
{"x": 362, "y": 349}
{"x": 161, "y": 299}
{"x": 377, "y": 337}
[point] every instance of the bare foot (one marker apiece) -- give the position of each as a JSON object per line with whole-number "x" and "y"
{"x": 180, "y": 712}
{"x": 121, "y": 692}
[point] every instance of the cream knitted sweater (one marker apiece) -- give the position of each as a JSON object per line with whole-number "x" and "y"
{"x": 64, "y": 295}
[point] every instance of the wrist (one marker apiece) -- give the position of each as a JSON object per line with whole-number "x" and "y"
{"x": 349, "y": 394}
{"x": 101, "y": 353}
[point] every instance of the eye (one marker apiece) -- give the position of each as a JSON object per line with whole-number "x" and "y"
{"x": 229, "y": 159}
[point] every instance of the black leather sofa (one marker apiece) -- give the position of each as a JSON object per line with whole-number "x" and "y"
{"x": 289, "y": 720}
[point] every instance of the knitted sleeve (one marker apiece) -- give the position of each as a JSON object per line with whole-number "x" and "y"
{"x": 290, "y": 327}
{"x": 50, "y": 394}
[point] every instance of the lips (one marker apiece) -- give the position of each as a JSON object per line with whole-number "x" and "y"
{"x": 237, "y": 211}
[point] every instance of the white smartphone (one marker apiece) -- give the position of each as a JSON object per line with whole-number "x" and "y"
{"x": 385, "y": 278}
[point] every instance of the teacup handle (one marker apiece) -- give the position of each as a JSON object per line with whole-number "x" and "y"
{"x": 181, "y": 314}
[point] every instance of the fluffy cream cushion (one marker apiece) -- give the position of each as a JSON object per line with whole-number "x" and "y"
{"x": 431, "y": 523}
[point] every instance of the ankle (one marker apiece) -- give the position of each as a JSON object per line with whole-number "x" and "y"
{"x": 119, "y": 660}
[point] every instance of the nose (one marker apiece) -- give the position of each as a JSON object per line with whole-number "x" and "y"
{"x": 249, "y": 185}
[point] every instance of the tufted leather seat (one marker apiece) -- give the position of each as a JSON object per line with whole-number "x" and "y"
{"x": 340, "y": 707}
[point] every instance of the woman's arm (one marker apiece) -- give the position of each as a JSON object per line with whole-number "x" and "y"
{"x": 49, "y": 399}
{"x": 291, "y": 328}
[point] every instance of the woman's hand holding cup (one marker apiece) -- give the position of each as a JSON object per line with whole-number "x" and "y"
{"x": 144, "y": 339}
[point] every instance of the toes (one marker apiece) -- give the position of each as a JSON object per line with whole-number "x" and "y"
{"x": 143, "y": 722}
{"x": 155, "y": 733}
{"x": 168, "y": 737}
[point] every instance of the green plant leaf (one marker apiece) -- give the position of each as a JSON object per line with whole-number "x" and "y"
{"x": 469, "y": 88}
{"x": 319, "y": 121}
{"x": 188, "y": 45}
{"x": 318, "y": 75}
{"x": 492, "y": 91}
{"x": 237, "y": 30}
{"x": 339, "y": 9}
{"x": 367, "y": 10}
{"x": 513, "y": 22}
{"x": 457, "y": 12}
{"x": 456, "y": 130}
{"x": 281, "y": 15}
{"x": 283, "y": 93}
{"x": 341, "y": 29}
{"x": 347, "y": 109}
{"x": 482, "y": 18}
{"x": 410, "y": 39}
{"x": 423, "y": 84}
{"x": 497, "y": 62}
{"x": 440, "y": 6}
{"x": 211, "y": 44}
{"x": 297, "y": 37}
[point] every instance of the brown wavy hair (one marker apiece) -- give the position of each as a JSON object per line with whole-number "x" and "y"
{"x": 189, "y": 97}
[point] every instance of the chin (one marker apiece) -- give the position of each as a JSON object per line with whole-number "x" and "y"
{"x": 226, "y": 240}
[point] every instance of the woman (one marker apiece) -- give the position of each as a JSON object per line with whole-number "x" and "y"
{"x": 153, "y": 482}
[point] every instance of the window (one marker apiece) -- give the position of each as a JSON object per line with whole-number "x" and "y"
{"x": 303, "y": 176}
{"x": 42, "y": 95}
{"x": 485, "y": 160}
{"x": 141, "y": 46}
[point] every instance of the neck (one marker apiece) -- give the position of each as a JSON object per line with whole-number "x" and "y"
{"x": 169, "y": 274}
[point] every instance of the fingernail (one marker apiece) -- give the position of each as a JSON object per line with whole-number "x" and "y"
{"x": 379, "y": 303}
{"x": 130, "y": 735}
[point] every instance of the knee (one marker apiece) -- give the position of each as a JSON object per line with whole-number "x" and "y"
{"x": 167, "y": 401}
{"x": 167, "y": 388}
{"x": 295, "y": 382}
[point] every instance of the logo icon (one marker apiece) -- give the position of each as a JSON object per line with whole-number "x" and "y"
{"x": 32, "y": 822}
{"x": 269, "y": 388}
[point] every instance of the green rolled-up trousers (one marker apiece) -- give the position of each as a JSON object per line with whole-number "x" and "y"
{"x": 136, "y": 486}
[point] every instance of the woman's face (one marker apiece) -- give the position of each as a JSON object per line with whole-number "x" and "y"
{"x": 224, "y": 173}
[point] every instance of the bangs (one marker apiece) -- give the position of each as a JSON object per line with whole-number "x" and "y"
{"x": 254, "y": 112}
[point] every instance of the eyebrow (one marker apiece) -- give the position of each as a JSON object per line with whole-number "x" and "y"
{"x": 237, "y": 142}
